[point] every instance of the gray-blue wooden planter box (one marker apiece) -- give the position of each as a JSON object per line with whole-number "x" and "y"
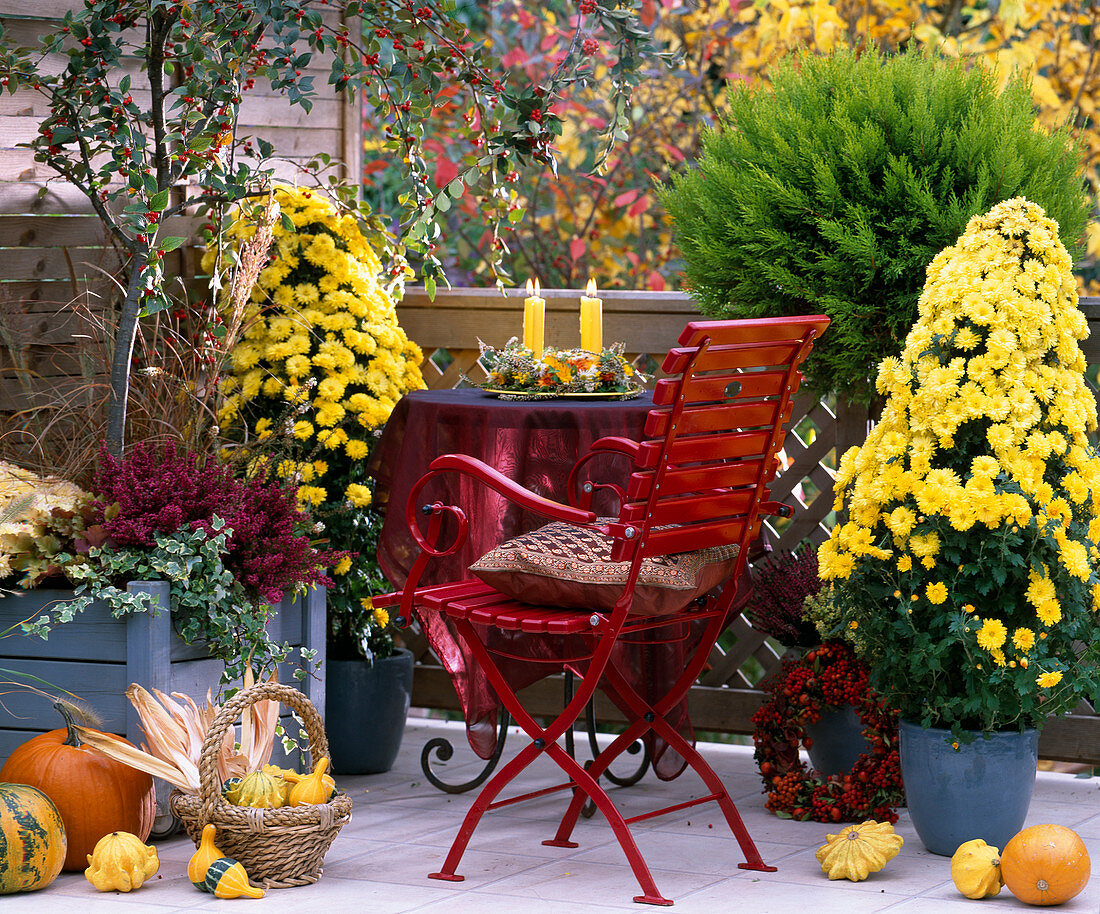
{"x": 97, "y": 656}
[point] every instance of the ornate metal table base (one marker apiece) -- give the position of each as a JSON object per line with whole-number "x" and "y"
{"x": 443, "y": 750}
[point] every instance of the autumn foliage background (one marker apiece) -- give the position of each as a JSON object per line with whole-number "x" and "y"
{"x": 610, "y": 225}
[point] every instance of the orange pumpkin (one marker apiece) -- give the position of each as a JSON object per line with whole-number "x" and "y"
{"x": 1045, "y": 864}
{"x": 94, "y": 794}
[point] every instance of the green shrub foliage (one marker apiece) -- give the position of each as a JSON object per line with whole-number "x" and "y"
{"x": 831, "y": 190}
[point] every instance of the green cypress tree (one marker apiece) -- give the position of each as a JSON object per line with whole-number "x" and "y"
{"x": 831, "y": 189}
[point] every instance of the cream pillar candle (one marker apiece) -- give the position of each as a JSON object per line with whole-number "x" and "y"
{"x": 591, "y": 319}
{"x": 534, "y": 319}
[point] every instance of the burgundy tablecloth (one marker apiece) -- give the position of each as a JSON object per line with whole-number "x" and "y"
{"x": 534, "y": 443}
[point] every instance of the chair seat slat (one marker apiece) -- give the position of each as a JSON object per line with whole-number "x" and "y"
{"x": 437, "y": 596}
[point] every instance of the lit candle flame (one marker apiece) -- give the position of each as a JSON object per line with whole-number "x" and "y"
{"x": 530, "y": 288}
{"x": 590, "y": 289}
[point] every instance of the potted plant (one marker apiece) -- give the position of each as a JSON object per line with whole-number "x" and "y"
{"x": 164, "y": 544}
{"x": 967, "y": 562}
{"x": 319, "y": 369}
{"x": 782, "y": 583}
{"x": 831, "y": 188}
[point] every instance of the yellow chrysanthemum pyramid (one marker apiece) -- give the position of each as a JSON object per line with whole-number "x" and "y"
{"x": 321, "y": 341}
{"x": 974, "y": 505}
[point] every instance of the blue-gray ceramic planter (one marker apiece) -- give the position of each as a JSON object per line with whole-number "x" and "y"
{"x": 838, "y": 741}
{"x": 981, "y": 790}
{"x": 366, "y": 709}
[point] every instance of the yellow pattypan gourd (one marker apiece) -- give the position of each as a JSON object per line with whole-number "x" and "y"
{"x": 226, "y": 878}
{"x": 258, "y": 789}
{"x": 976, "y": 869}
{"x": 121, "y": 862}
{"x": 206, "y": 854}
{"x": 312, "y": 788}
{"x": 859, "y": 850}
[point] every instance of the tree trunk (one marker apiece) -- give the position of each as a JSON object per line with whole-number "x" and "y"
{"x": 121, "y": 360}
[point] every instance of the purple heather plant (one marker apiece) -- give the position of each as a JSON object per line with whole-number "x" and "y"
{"x": 781, "y": 584}
{"x": 160, "y": 488}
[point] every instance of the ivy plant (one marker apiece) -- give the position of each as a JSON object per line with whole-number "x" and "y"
{"x": 208, "y": 603}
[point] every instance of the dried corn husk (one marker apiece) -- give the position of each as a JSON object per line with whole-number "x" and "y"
{"x": 176, "y": 727}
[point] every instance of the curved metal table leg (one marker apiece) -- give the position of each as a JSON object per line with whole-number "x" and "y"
{"x": 443, "y": 749}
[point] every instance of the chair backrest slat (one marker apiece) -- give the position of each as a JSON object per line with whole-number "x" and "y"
{"x": 690, "y": 537}
{"x": 715, "y": 418}
{"x": 709, "y": 452}
{"x": 704, "y": 447}
{"x": 727, "y": 358}
{"x": 678, "y": 481}
{"x": 701, "y": 388}
{"x": 690, "y": 509}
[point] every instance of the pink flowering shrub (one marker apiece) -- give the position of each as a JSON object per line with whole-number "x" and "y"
{"x": 161, "y": 489}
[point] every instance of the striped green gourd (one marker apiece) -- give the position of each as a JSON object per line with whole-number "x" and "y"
{"x": 226, "y": 878}
{"x": 32, "y": 839}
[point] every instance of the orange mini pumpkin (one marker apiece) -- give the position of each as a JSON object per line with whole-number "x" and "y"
{"x": 1045, "y": 864}
{"x": 94, "y": 794}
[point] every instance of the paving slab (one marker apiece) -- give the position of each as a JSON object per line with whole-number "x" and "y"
{"x": 402, "y": 828}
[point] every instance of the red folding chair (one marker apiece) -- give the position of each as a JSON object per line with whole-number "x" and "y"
{"x": 700, "y": 479}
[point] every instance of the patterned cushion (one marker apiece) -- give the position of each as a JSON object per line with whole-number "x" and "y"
{"x": 563, "y": 565}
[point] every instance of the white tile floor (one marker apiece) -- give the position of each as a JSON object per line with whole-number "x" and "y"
{"x": 402, "y": 827}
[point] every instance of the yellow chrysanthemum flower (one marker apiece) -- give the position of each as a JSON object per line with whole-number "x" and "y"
{"x": 992, "y": 635}
{"x": 1023, "y": 639}
{"x": 358, "y": 495}
{"x": 1048, "y": 680}
{"x": 936, "y": 592}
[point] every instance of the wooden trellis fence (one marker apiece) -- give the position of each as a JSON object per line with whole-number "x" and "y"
{"x": 727, "y": 694}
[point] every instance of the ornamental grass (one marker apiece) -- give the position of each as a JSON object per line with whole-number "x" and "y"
{"x": 967, "y": 563}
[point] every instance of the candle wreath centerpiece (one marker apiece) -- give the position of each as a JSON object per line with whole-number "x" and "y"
{"x": 517, "y": 372}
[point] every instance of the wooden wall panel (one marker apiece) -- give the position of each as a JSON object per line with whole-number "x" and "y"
{"x": 53, "y": 248}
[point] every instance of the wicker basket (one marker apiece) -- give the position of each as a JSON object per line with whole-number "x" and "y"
{"x": 279, "y": 848}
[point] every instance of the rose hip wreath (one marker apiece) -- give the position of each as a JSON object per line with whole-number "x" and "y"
{"x": 829, "y": 676}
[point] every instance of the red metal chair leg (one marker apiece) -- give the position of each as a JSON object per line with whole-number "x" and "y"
{"x": 596, "y": 768}
{"x": 544, "y": 740}
{"x": 481, "y": 805}
{"x": 589, "y": 786}
{"x": 656, "y": 722}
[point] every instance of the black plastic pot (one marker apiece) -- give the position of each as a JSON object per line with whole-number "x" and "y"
{"x": 365, "y": 710}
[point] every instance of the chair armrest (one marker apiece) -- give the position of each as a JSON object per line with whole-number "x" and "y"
{"x": 610, "y": 444}
{"x": 620, "y": 445}
{"x": 513, "y": 491}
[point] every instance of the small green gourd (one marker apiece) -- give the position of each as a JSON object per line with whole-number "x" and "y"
{"x": 259, "y": 790}
{"x": 229, "y": 788}
{"x": 206, "y": 854}
{"x": 226, "y": 878}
